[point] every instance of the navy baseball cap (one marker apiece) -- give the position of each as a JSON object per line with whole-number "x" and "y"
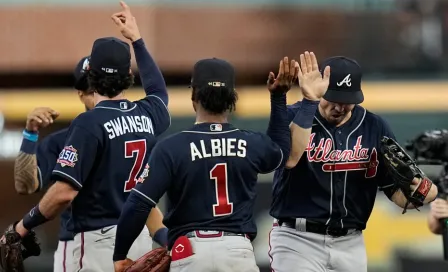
{"x": 345, "y": 80}
{"x": 213, "y": 72}
{"x": 80, "y": 74}
{"x": 110, "y": 56}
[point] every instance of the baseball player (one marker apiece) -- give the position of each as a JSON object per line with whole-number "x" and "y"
{"x": 104, "y": 151}
{"x": 209, "y": 173}
{"x": 33, "y": 166}
{"x": 322, "y": 204}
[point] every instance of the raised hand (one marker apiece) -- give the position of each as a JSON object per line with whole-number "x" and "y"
{"x": 312, "y": 83}
{"x": 40, "y": 117}
{"x": 126, "y": 23}
{"x": 287, "y": 72}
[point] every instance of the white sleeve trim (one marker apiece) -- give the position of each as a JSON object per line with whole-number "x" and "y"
{"x": 39, "y": 177}
{"x": 280, "y": 163}
{"x": 387, "y": 186}
{"x": 145, "y": 196}
{"x": 69, "y": 177}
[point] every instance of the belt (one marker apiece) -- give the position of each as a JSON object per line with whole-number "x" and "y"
{"x": 318, "y": 228}
{"x": 199, "y": 234}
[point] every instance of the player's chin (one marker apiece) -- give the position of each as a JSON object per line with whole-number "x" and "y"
{"x": 336, "y": 119}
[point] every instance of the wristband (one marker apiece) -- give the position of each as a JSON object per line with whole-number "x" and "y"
{"x": 422, "y": 190}
{"x": 28, "y": 147}
{"x": 33, "y": 219}
{"x": 161, "y": 236}
{"x": 305, "y": 116}
{"x": 31, "y": 136}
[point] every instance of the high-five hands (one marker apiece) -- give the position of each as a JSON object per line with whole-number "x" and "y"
{"x": 126, "y": 23}
{"x": 312, "y": 83}
{"x": 287, "y": 72}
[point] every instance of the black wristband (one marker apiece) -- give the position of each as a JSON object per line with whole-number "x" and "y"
{"x": 422, "y": 191}
{"x": 34, "y": 218}
{"x": 305, "y": 116}
{"x": 161, "y": 236}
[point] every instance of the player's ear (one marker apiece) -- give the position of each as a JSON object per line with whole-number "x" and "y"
{"x": 130, "y": 71}
{"x": 194, "y": 105}
{"x": 80, "y": 95}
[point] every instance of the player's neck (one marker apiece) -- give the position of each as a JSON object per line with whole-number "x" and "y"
{"x": 211, "y": 119}
{"x": 98, "y": 98}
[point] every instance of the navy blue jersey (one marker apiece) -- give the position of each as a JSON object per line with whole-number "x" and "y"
{"x": 209, "y": 173}
{"x": 105, "y": 150}
{"x": 338, "y": 176}
{"x": 47, "y": 153}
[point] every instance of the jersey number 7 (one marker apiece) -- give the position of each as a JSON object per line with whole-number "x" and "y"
{"x": 219, "y": 175}
{"x": 135, "y": 149}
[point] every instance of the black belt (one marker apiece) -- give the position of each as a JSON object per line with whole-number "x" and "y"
{"x": 314, "y": 227}
{"x": 197, "y": 234}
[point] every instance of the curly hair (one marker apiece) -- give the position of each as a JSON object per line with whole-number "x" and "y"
{"x": 215, "y": 100}
{"x": 109, "y": 85}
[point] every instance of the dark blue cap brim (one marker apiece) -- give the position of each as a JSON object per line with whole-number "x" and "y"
{"x": 344, "y": 97}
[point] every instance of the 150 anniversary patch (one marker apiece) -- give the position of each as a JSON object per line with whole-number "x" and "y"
{"x": 68, "y": 156}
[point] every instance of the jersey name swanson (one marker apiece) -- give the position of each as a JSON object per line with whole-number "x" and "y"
{"x": 128, "y": 124}
{"x": 224, "y": 147}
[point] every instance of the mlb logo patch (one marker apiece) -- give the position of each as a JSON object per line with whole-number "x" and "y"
{"x": 216, "y": 127}
{"x": 123, "y": 105}
{"x": 68, "y": 156}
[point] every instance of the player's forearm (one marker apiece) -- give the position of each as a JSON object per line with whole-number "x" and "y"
{"x": 278, "y": 129}
{"x": 301, "y": 130}
{"x": 150, "y": 75}
{"x": 58, "y": 197}
{"x": 154, "y": 221}
{"x": 25, "y": 169}
{"x": 433, "y": 192}
{"x": 299, "y": 141}
{"x": 400, "y": 200}
{"x": 434, "y": 224}
{"x": 158, "y": 231}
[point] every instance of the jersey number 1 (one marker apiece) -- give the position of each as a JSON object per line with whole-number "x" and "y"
{"x": 135, "y": 148}
{"x": 219, "y": 175}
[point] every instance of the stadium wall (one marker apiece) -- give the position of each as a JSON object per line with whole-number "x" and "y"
{"x": 252, "y": 38}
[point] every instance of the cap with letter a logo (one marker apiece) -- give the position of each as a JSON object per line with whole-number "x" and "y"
{"x": 345, "y": 80}
{"x": 81, "y": 75}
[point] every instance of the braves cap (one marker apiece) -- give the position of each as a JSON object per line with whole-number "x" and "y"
{"x": 80, "y": 74}
{"x": 345, "y": 81}
{"x": 110, "y": 56}
{"x": 213, "y": 72}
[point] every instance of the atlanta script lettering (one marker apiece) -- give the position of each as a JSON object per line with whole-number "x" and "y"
{"x": 334, "y": 160}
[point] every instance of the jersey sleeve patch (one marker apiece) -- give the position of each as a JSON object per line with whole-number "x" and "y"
{"x": 144, "y": 174}
{"x": 68, "y": 156}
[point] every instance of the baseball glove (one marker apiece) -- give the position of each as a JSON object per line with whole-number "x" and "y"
{"x": 157, "y": 260}
{"x": 402, "y": 169}
{"x": 15, "y": 249}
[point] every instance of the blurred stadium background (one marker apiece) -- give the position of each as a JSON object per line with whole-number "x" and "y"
{"x": 402, "y": 46}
